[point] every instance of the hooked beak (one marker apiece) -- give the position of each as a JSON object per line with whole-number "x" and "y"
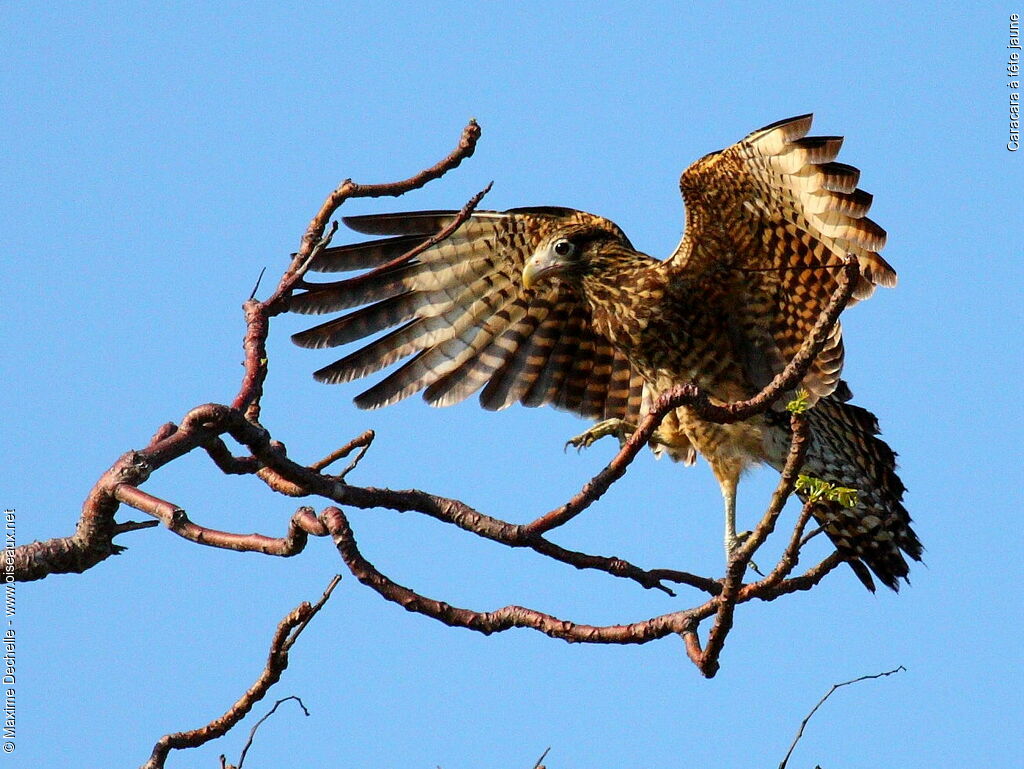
{"x": 539, "y": 265}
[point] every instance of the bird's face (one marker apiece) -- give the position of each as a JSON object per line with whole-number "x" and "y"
{"x": 573, "y": 254}
{"x": 561, "y": 255}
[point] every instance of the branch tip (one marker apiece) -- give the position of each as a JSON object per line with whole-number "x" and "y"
{"x": 829, "y": 693}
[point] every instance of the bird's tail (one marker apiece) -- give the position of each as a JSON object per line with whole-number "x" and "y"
{"x": 845, "y": 450}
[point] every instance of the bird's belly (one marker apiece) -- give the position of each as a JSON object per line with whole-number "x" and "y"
{"x": 738, "y": 445}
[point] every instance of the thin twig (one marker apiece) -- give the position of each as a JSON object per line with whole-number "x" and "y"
{"x": 258, "y": 724}
{"x": 799, "y": 444}
{"x": 256, "y": 286}
{"x": 811, "y": 535}
{"x": 122, "y": 528}
{"x": 349, "y": 189}
{"x": 790, "y": 556}
{"x": 803, "y": 724}
{"x": 805, "y": 581}
{"x": 441, "y": 235}
{"x": 360, "y": 441}
{"x": 258, "y": 314}
{"x": 318, "y": 248}
{"x": 284, "y": 638}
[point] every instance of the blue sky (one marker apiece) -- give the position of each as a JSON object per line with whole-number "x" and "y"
{"x": 157, "y": 156}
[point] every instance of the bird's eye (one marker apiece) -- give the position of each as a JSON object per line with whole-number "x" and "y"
{"x": 564, "y": 247}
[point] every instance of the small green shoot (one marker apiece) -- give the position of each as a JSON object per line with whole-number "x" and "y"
{"x": 800, "y": 403}
{"x": 818, "y": 490}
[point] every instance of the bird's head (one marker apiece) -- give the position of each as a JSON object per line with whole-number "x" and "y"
{"x": 571, "y": 254}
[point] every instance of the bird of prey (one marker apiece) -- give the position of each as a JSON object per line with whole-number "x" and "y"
{"x": 555, "y": 306}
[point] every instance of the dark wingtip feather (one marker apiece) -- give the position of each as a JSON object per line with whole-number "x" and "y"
{"x": 406, "y": 223}
{"x": 358, "y": 324}
{"x": 359, "y": 256}
{"x": 786, "y": 121}
{"x": 311, "y": 338}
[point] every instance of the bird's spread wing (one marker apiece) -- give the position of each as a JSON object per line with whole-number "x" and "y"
{"x": 768, "y": 222}
{"x": 460, "y": 314}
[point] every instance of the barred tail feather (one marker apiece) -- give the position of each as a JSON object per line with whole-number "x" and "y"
{"x": 875, "y": 535}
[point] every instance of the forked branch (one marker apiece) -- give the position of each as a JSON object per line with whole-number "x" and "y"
{"x": 287, "y": 633}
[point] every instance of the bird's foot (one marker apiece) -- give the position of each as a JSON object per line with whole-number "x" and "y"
{"x": 620, "y": 428}
{"x": 733, "y": 543}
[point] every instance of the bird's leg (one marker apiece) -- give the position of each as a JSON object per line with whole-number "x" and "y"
{"x": 620, "y": 428}
{"x": 733, "y": 540}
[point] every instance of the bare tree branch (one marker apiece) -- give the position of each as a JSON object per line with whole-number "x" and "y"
{"x": 501, "y": 619}
{"x": 258, "y": 724}
{"x": 258, "y": 314}
{"x": 803, "y": 724}
{"x": 285, "y": 636}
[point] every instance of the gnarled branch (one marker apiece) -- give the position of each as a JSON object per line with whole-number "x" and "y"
{"x": 287, "y": 633}
{"x": 205, "y": 427}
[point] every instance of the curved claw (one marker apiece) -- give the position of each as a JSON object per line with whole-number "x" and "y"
{"x": 581, "y": 441}
{"x": 617, "y": 427}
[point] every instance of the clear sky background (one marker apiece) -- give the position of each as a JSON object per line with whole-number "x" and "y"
{"x": 157, "y": 156}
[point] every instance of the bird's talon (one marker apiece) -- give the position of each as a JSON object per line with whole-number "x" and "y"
{"x": 579, "y": 443}
{"x": 589, "y": 437}
{"x": 734, "y": 543}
